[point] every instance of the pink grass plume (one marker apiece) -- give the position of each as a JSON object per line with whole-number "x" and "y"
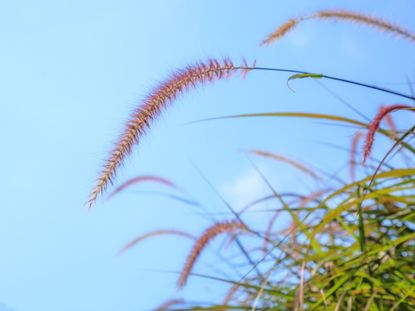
{"x": 140, "y": 179}
{"x": 374, "y": 126}
{"x": 158, "y": 100}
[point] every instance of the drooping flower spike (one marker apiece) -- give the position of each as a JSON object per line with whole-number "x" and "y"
{"x": 140, "y": 179}
{"x": 164, "y": 94}
{"x": 208, "y": 235}
{"x": 150, "y": 234}
{"x": 370, "y": 137}
{"x": 341, "y": 15}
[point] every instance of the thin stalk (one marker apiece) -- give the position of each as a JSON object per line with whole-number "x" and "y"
{"x": 370, "y": 86}
{"x": 362, "y": 236}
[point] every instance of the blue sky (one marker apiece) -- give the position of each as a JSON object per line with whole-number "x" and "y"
{"x": 71, "y": 73}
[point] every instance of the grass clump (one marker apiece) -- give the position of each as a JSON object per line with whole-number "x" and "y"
{"x": 350, "y": 244}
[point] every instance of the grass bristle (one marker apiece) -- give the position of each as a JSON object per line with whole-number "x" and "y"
{"x": 299, "y": 166}
{"x": 150, "y": 234}
{"x": 370, "y": 137}
{"x": 180, "y": 82}
{"x": 166, "y": 306}
{"x": 140, "y": 179}
{"x": 341, "y": 15}
{"x": 209, "y": 234}
{"x": 281, "y": 31}
{"x": 367, "y": 20}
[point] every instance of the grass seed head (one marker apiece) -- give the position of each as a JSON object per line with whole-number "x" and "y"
{"x": 164, "y": 94}
{"x": 341, "y": 15}
{"x": 150, "y": 234}
{"x": 281, "y": 31}
{"x": 208, "y": 235}
{"x": 370, "y": 137}
{"x": 359, "y": 18}
{"x": 140, "y": 179}
{"x": 167, "y": 305}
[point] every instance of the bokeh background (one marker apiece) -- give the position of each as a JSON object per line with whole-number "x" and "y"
{"x": 70, "y": 74}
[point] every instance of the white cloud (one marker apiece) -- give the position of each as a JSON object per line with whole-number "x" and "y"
{"x": 245, "y": 189}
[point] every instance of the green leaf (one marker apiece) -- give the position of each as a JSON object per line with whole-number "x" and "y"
{"x": 302, "y": 76}
{"x": 306, "y": 75}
